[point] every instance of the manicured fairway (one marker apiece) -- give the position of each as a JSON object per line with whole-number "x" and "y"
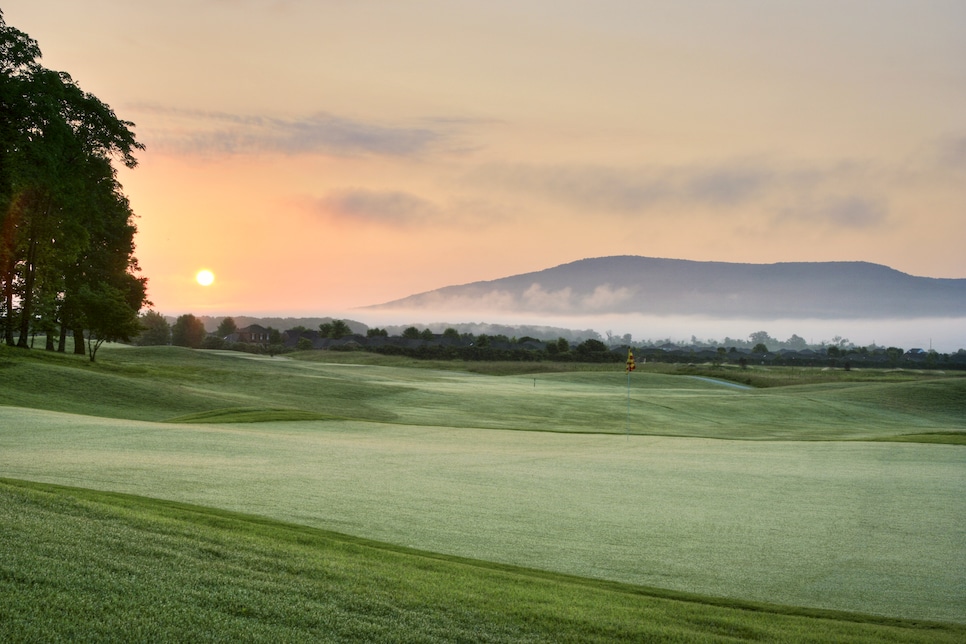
{"x": 81, "y": 565}
{"x": 166, "y": 383}
{"x": 871, "y": 527}
{"x": 801, "y": 495}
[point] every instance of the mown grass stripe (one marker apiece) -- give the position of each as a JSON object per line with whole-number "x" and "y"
{"x": 80, "y": 564}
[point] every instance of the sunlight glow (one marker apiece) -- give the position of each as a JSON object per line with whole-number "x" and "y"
{"x": 205, "y": 277}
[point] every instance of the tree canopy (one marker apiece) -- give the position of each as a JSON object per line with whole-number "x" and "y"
{"x": 67, "y": 259}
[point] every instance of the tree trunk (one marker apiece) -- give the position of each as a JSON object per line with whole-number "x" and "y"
{"x": 79, "y": 348}
{"x": 8, "y": 303}
{"x": 25, "y": 304}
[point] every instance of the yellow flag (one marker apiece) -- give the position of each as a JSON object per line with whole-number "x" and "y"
{"x": 630, "y": 361}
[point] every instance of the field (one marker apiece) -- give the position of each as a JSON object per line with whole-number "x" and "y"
{"x": 822, "y": 494}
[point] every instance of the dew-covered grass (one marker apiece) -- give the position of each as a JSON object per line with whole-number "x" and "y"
{"x": 79, "y": 565}
{"x": 174, "y": 384}
{"x": 874, "y": 527}
{"x": 845, "y": 495}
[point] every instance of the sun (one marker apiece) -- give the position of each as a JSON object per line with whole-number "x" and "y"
{"x": 205, "y": 277}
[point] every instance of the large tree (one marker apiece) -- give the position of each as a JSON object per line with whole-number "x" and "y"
{"x": 66, "y": 225}
{"x": 155, "y": 330}
{"x": 188, "y": 331}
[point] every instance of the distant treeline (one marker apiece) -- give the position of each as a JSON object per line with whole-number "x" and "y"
{"x": 451, "y": 344}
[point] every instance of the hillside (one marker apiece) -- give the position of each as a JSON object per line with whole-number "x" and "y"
{"x": 631, "y": 284}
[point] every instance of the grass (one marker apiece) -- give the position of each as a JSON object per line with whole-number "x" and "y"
{"x": 249, "y": 415}
{"x": 831, "y": 494}
{"x": 172, "y": 384}
{"x": 82, "y": 565}
{"x": 861, "y": 526}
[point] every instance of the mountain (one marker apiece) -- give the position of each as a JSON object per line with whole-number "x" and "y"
{"x": 654, "y": 286}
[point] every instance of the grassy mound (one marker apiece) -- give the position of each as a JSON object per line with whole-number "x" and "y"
{"x": 91, "y": 566}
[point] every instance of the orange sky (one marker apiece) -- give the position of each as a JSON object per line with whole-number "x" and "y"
{"x": 319, "y": 156}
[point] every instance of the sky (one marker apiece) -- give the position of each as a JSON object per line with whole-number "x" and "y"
{"x": 323, "y": 155}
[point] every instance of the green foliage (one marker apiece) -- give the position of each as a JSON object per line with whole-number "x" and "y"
{"x": 107, "y": 314}
{"x": 303, "y": 344}
{"x": 66, "y": 225}
{"x": 335, "y": 329}
{"x": 226, "y": 327}
{"x": 188, "y": 331}
{"x": 155, "y": 330}
{"x": 411, "y": 333}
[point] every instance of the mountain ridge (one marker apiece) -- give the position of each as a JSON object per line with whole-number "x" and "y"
{"x": 660, "y": 286}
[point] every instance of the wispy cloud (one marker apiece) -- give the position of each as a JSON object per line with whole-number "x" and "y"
{"x": 633, "y": 190}
{"x": 378, "y": 206}
{"x": 844, "y": 212}
{"x": 952, "y": 151}
{"x": 213, "y": 132}
{"x": 786, "y": 193}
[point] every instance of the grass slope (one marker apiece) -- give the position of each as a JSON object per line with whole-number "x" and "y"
{"x": 173, "y": 384}
{"x": 795, "y": 512}
{"x": 862, "y": 526}
{"x": 78, "y": 565}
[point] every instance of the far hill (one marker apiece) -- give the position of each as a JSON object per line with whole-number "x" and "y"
{"x": 631, "y": 284}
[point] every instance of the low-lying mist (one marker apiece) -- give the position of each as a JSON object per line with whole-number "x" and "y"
{"x": 945, "y": 335}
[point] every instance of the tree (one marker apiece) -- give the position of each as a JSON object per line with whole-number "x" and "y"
{"x": 376, "y": 332}
{"x": 894, "y": 354}
{"x": 226, "y": 327}
{"x": 274, "y": 336}
{"x": 188, "y": 331}
{"x": 107, "y": 315}
{"x": 760, "y": 348}
{"x": 411, "y": 333}
{"x": 796, "y": 343}
{"x": 426, "y": 334}
{"x": 761, "y": 337}
{"x": 67, "y": 236}
{"x": 340, "y": 329}
{"x": 155, "y": 330}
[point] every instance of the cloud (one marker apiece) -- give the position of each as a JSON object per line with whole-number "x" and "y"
{"x": 378, "y": 206}
{"x": 840, "y": 193}
{"x": 634, "y": 190}
{"x": 850, "y": 212}
{"x": 952, "y": 151}
{"x": 213, "y": 132}
{"x": 854, "y": 212}
{"x": 400, "y": 208}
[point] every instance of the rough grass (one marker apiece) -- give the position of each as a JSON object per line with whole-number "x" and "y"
{"x": 77, "y": 565}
